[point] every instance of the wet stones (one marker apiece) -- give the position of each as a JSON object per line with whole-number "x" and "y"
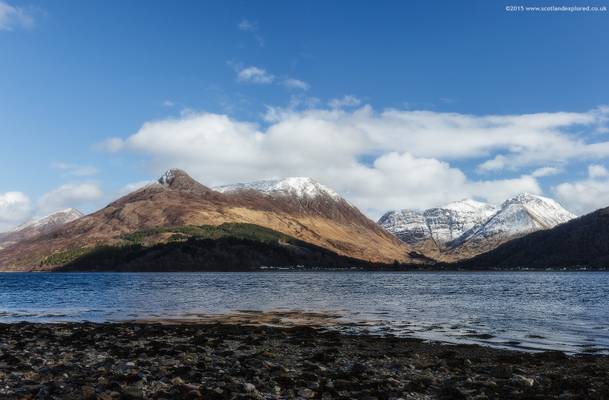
{"x": 148, "y": 361}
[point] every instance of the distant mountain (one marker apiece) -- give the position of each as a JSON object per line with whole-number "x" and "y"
{"x": 517, "y": 216}
{"x": 467, "y": 228}
{"x": 39, "y": 227}
{"x": 579, "y": 242}
{"x": 298, "y": 207}
{"x": 440, "y": 224}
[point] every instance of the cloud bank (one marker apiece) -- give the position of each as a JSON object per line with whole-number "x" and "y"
{"x": 15, "y": 207}
{"x": 68, "y": 195}
{"x": 378, "y": 160}
{"x": 587, "y": 194}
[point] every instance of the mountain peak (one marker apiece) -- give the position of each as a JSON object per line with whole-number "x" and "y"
{"x": 526, "y": 197}
{"x": 171, "y": 175}
{"x": 519, "y": 215}
{"x": 39, "y": 226}
{"x": 535, "y": 203}
{"x": 468, "y": 205}
{"x": 57, "y": 218}
{"x": 70, "y": 211}
{"x": 178, "y": 179}
{"x": 302, "y": 187}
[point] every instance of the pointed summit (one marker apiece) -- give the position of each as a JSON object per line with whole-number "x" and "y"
{"x": 177, "y": 179}
{"x": 171, "y": 175}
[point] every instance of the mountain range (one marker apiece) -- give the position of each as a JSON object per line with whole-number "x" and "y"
{"x": 176, "y": 223}
{"x": 467, "y": 228}
{"x": 298, "y": 208}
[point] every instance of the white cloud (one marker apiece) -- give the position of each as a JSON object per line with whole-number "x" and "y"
{"x": 292, "y": 83}
{"x": 597, "y": 171}
{"x": 586, "y": 195}
{"x": 168, "y": 103}
{"x": 497, "y": 190}
{"x": 493, "y": 164}
{"x": 69, "y": 195}
{"x": 15, "y": 207}
{"x": 75, "y": 169}
{"x": 111, "y": 145}
{"x": 409, "y": 153}
{"x": 397, "y": 181}
{"x": 254, "y": 75}
{"x": 246, "y": 25}
{"x": 346, "y": 101}
{"x": 546, "y": 171}
{"x": 12, "y": 17}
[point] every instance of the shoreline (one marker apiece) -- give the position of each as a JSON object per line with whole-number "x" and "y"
{"x": 222, "y": 360}
{"x": 389, "y": 268}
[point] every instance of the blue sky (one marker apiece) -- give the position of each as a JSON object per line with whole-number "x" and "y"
{"x": 331, "y": 87}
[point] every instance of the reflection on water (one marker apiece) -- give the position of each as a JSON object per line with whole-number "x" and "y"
{"x": 527, "y": 310}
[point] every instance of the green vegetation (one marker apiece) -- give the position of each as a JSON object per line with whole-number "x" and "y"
{"x": 110, "y": 252}
{"x": 228, "y": 230}
{"x": 135, "y": 244}
{"x": 65, "y": 257}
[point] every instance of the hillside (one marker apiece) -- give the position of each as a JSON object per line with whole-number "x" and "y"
{"x": 580, "y": 242}
{"x": 178, "y": 200}
{"x": 227, "y": 247}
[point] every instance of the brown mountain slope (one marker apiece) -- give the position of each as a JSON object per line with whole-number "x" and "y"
{"x": 178, "y": 200}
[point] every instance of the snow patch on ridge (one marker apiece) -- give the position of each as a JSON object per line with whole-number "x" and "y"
{"x": 300, "y": 187}
{"x": 57, "y": 218}
{"x": 168, "y": 177}
{"x": 519, "y": 215}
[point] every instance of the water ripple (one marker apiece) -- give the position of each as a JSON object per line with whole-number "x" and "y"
{"x": 529, "y": 310}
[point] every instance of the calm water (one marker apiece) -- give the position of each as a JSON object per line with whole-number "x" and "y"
{"x": 530, "y": 310}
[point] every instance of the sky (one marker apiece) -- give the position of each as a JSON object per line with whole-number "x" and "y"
{"x": 393, "y": 104}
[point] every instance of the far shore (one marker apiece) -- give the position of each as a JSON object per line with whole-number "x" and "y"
{"x": 383, "y": 268}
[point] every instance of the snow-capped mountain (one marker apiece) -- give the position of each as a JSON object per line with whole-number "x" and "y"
{"x": 302, "y": 187}
{"x": 298, "y": 207}
{"x": 517, "y": 216}
{"x": 39, "y": 226}
{"x": 582, "y": 241}
{"x": 440, "y": 224}
{"x": 468, "y": 227}
{"x": 50, "y": 221}
{"x": 299, "y": 195}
